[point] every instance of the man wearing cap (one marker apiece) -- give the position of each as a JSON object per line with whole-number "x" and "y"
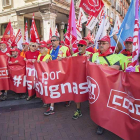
{"x": 58, "y": 52}
{"x": 82, "y": 45}
{"x": 106, "y": 57}
{"x": 43, "y": 56}
{"x": 15, "y": 58}
{"x": 25, "y": 47}
{"x": 126, "y": 54}
{"x": 4, "y": 50}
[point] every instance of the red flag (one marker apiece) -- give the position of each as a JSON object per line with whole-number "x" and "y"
{"x": 92, "y": 7}
{"x": 71, "y": 35}
{"x": 50, "y": 34}
{"x": 8, "y": 34}
{"x": 26, "y": 33}
{"x": 33, "y": 32}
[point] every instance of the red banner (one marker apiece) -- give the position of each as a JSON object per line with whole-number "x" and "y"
{"x": 30, "y": 77}
{"x": 4, "y": 78}
{"x": 60, "y": 81}
{"x": 114, "y": 100}
{"x": 17, "y": 74}
{"x": 92, "y": 7}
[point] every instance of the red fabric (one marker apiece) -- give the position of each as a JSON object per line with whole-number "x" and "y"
{"x": 4, "y": 77}
{"x": 26, "y": 43}
{"x": 19, "y": 58}
{"x": 33, "y": 32}
{"x": 92, "y": 7}
{"x": 13, "y": 44}
{"x": 8, "y": 51}
{"x": 14, "y": 49}
{"x": 108, "y": 52}
{"x": 127, "y": 53}
{"x": 113, "y": 48}
{"x": 114, "y": 98}
{"x": 41, "y": 58}
{"x": 17, "y": 74}
{"x": 32, "y": 55}
{"x": 82, "y": 42}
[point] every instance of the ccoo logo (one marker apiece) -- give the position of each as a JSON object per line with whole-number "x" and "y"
{"x": 93, "y": 89}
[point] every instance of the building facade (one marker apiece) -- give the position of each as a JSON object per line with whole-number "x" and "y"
{"x": 48, "y": 13}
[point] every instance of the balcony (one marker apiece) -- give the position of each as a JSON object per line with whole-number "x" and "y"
{"x": 113, "y": 3}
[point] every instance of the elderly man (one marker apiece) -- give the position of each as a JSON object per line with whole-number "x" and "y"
{"x": 58, "y": 52}
{"x": 106, "y": 57}
{"x": 82, "y": 45}
{"x": 25, "y": 47}
{"x": 4, "y": 50}
{"x": 126, "y": 54}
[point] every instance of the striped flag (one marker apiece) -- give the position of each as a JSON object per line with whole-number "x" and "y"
{"x": 102, "y": 13}
{"x": 26, "y": 33}
{"x": 136, "y": 48}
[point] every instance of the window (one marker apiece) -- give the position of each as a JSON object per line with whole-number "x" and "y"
{"x": 29, "y": 23}
{"x": 3, "y": 27}
{"x": 6, "y": 3}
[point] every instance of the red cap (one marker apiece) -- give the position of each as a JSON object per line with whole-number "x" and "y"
{"x": 105, "y": 39}
{"x": 13, "y": 44}
{"x": 49, "y": 42}
{"x": 43, "y": 45}
{"x": 43, "y": 42}
{"x": 129, "y": 39}
{"x": 14, "y": 50}
{"x": 83, "y": 42}
{"x": 4, "y": 42}
{"x": 86, "y": 38}
{"x": 26, "y": 43}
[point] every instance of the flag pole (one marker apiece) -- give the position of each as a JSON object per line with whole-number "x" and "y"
{"x": 118, "y": 40}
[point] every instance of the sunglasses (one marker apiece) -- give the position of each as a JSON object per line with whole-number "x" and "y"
{"x": 33, "y": 45}
{"x": 53, "y": 40}
{"x": 103, "y": 43}
{"x": 80, "y": 45}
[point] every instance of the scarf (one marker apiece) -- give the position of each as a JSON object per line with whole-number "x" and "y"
{"x": 54, "y": 53}
{"x": 127, "y": 53}
{"x": 108, "y": 52}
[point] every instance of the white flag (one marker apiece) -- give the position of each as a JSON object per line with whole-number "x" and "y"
{"x": 116, "y": 26}
{"x": 92, "y": 21}
{"x": 100, "y": 32}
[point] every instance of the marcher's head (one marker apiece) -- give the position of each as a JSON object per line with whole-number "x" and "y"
{"x": 43, "y": 49}
{"x": 129, "y": 44}
{"x": 33, "y": 46}
{"x": 13, "y": 45}
{"x": 55, "y": 41}
{"x": 3, "y": 45}
{"x": 49, "y": 44}
{"x": 25, "y": 46}
{"x": 104, "y": 44}
{"x": 82, "y": 45}
{"x": 14, "y": 52}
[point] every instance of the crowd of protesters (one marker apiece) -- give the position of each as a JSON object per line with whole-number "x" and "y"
{"x": 53, "y": 49}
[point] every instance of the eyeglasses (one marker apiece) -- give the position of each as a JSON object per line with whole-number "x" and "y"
{"x": 80, "y": 45}
{"x": 53, "y": 40}
{"x": 103, "y": 43}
